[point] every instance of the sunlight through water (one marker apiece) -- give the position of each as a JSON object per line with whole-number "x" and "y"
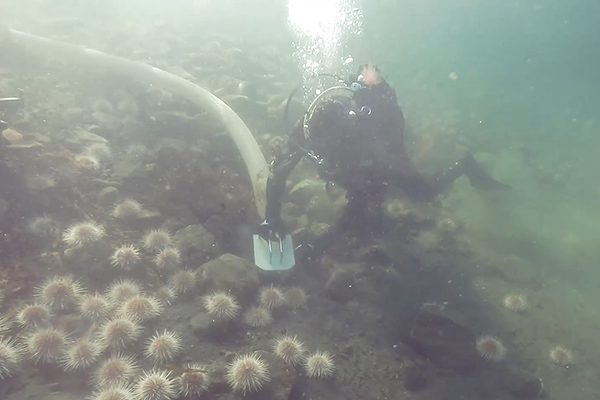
{"x": 322, "y": 28}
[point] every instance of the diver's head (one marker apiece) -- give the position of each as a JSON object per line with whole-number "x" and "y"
{"x": 369, "y": 75}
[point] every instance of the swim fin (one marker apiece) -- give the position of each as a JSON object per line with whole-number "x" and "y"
{"x": 274, "y": 254}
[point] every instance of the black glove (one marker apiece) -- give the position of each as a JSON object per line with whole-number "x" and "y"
{"x": 271, "y": 229}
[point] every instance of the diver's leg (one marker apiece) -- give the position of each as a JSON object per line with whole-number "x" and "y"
{"x": 470, "y": 167}
{"x": 363, "y": 215}
{"x": 361, "y": 219}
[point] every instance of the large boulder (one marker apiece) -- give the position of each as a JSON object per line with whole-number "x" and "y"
{"x": 230, "y": 273}
{"x": 302, "y": 192}
{"x": 444, "y": 339}
{"x": 196, "y": 244}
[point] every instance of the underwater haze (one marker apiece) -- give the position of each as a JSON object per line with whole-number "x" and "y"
{"x": 138, "y": 140}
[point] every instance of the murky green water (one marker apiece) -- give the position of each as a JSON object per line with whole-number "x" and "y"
{"x": 514, "y": 82}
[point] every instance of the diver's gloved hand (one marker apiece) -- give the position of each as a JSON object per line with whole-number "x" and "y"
{"x": 271, "y": 229}
{"x": 480, "y": 179}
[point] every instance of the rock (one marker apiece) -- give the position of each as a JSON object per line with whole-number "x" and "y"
{"x": 217, "y": 378}
{"x": 15, "y": 140}
{"x": 305, "y": 190}
{"x": 103, "y": 105}
{"x": 324, "y": 207}
{"x": 108, "y": 196}
{"x": 131, "y": 168}
{"x": 375, "y": 254}
{"x": 283, "y": 378}
{"x": 443, "y": 339}
{"x": 245, "y": 105}
{"x": 230, "y": 273}
{"x": 196, "y": 244}
{"x": 92, "y": 257}
{"x": 148, "y": 219}
{"x": 203, "y": 325}
{"x": 25, "y": 145}
{"x": 523, "y": 384}
{"x": 72, "y": 115}
{"x": 413, "y": 376}
{"x": 395, "y": 209}
{"x": 318, "y": 229}
{"x": 4, "y": 206}
{"x": 515, "y": 270}
{"x": 12, "y": 136}
{"x": 200, "y": 323}
{"x": 106, "y": 120}
{"x": 340, "y": 285}
{"x": 82, "y": 136}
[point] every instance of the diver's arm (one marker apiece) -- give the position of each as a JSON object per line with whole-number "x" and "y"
{"x": 281, "y": 169}
{"x": 273, "y": 224}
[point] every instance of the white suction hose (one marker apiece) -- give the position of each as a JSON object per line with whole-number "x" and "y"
{"x": 256, "y": 164}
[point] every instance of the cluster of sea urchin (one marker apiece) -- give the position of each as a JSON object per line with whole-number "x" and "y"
{"x": 105, "y": 326}
{"x": 491, "y": 348}
{"x": 249, "y": 372}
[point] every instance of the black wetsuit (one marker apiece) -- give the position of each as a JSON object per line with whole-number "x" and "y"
{"x": 359, "y": 144}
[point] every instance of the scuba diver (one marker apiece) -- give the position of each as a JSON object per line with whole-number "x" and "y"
{"x": 354, "y": 132}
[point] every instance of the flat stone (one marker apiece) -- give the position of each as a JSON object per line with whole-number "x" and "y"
{"x": 148, "y": 219}
{"x": 108, "y": 196}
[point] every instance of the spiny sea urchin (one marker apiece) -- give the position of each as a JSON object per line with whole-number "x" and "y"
{"x": 94, "y": 307}
{"x": 59, "y": 292}
{"x": 119, "y": 370}
{"x": 247, "y": 373}
{"x": 167, "y": 258}
{"x": 162, "y": 347}
{"x": 156, "y": 240}
{"x": 46, "y": 345}
{"x": 118, "y": 333}
{"x": 141, "y": 308}
{"x": 257, "y": 317}
{"x": 290, "y": 349}
{"x": 10, "y": 355}
{"x": 128, "y": 209}
{"x": 156, "y": 385}
{"x": 221, "y": 306}
{"x": 33, "y": 316}
{"x": 83, "y": 233}
{"x": 271, "y": 297}
{"x": 319, "y": 365}
{"x": 193, "y": 381}
{"x": 81, "y": 355}
{"x": 125, "y": 257}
